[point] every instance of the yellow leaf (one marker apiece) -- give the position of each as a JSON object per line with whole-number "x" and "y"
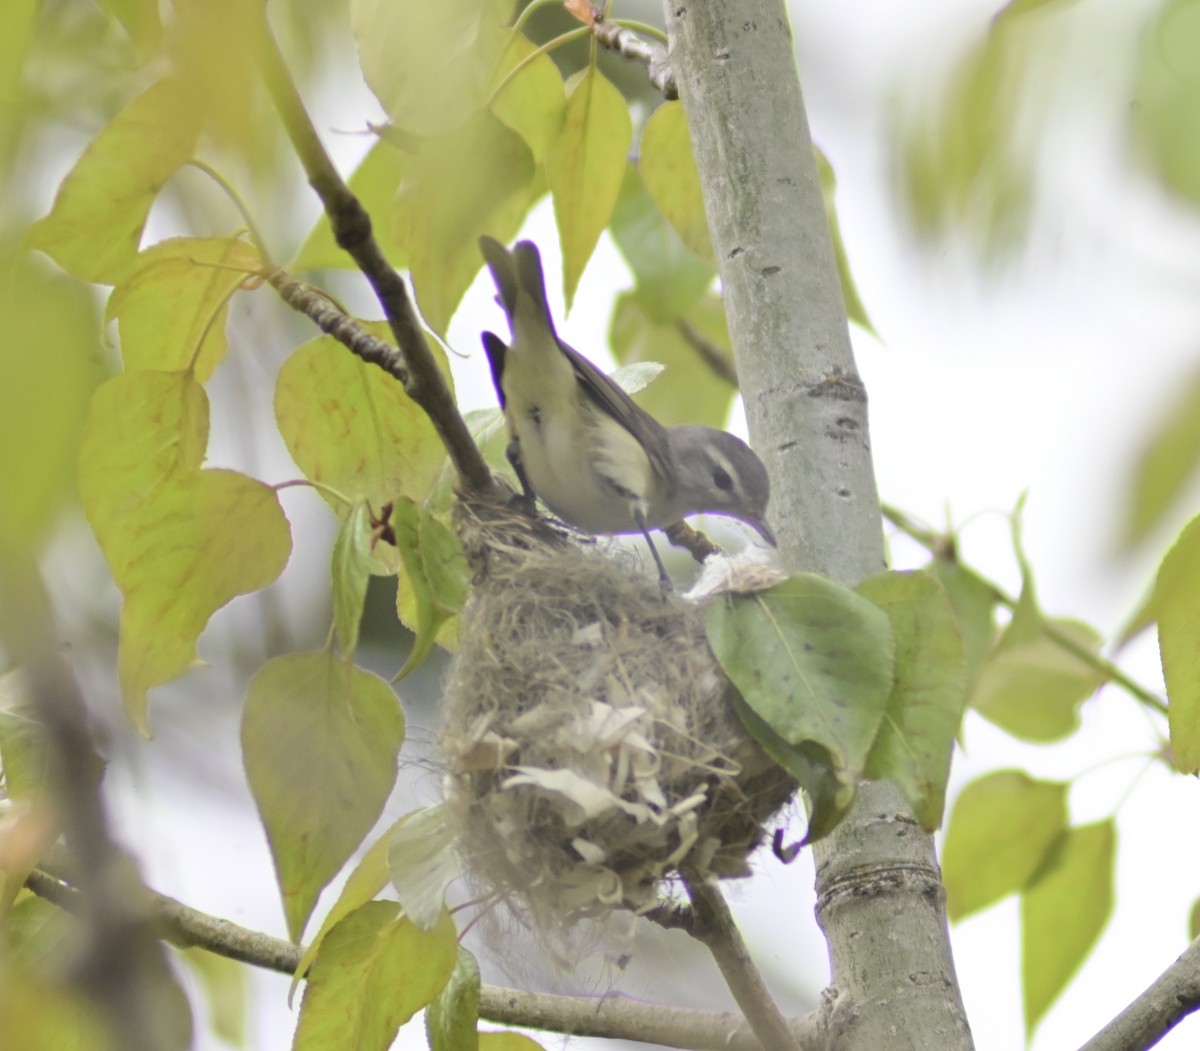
{"x": 199, "y": 540}
{"x": 668, "y": 169}
{"x": 96, "y": 223}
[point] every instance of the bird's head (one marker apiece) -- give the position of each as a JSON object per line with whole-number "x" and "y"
{"x": 720, "y": 473}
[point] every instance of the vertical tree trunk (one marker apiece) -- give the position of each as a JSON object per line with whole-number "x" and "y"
{"x": 880, "y": 900}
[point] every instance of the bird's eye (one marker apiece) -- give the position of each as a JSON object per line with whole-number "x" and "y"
{"x": 722, "y": 480}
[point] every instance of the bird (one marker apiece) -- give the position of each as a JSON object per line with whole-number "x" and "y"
{"x": 584, "y": 447}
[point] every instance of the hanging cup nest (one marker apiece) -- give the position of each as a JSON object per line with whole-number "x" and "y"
{"x": 591, "y": 745}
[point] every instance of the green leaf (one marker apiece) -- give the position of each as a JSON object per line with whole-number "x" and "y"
{"x": 1034, "y": 690}
{"x": 974, "y": 601}
{"x": 692, "y": 392}
{"x": 375, "y": 182}
{"x": 532, "y": 103}
{"x": 928, "y": 695}
{"x": 365, "y": 881}
{"x": 319, "y": 743}
{"x": 41, "y": 1016}
{"x": 478, "y": 180}
{"x": 22, "y": 740}
{"x": 423, "y": 859}
{"x": 351, "y": 572}
{"x": 1000, "y": 830}
{"x": 46, "y": 377}
{"x": 406, "y": 47}
{"x": 813, "y": 660}
{"x": 1177, "y": 608}
{"x": 96, "y": 223}
{"x": 585, "y": 168}
{"x": 436, "y": 576}
{"x": 224, "y": 982}
{"x": 141, "y": 21}
{"x": 198, "y": 541}
{"x": 668, "y": 169}
{"x": 351, "y": 426}
{"x": 1063, "y": 913}
{"x": 172, "y": 308}
{"x": 670, "y": 276}
{"x": 373, "y": 973}
{"x": 507, "y": 1041}
{"x": 1194, "y": 921}
{"x": 1166, "y": 464}
{"x": 142, "y": 429}
{"x": 1166, "y": 121}
{"x": 856, "y": 311}
{"x": 452, "y": 1019}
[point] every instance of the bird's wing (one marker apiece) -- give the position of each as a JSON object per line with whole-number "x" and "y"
{"x": 495, "y": 349}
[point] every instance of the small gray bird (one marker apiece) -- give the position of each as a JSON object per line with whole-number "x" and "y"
{"x": 584, "y": 447}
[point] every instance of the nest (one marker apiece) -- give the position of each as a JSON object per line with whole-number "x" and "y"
{"x": 591, "y": 747}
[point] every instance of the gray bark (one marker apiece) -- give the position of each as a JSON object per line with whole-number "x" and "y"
{"x": 880, "y": 900}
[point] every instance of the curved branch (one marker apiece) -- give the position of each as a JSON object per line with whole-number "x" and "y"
{"x": 611, "y": 1016}
{"x": 352, "y": 230}
{"x": 1170, "y": 998}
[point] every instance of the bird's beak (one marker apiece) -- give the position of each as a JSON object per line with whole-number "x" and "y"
{"x": 763, "y": 530}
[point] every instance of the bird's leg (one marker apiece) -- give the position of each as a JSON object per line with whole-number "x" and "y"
{"x": 639, "y": 516}
{"x": 513, "y": 453}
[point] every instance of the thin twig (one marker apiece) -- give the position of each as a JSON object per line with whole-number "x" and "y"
{"x": 941, "y": 546}
{"x": 716, "y": 929}
{"x": 1170, "y": 998}
{"x": 713, "y": 356}
{"x": 628, "y": 44}
{"x": 351, "y": 227}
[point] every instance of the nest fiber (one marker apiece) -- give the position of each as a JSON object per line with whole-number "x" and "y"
{"x": 591, "y": 746}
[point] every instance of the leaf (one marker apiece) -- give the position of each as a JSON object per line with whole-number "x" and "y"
{"x": 691, "y": 392}
{"x": 198, "y": 541}
{"x": 172, "y": 308}
{"x": 142, "y": 429}
{"x": 1166, "y": 463}
{"x": 478, "y": 180}
{"x": 141, "y": 21}
{"x": 351, "y": 426}
{"x": 974, "y": 601}
{"x": 351, "y": 572}
{"x": 40, "y": 1016}
{"x": 407, "y": 46}
{"x": 1194, "y": 921}
{"x": 22, "y": 739}
{"x": 532, "y": 103}
{"x": 1000, "y": 830}
{"x": 46, "y": 377}
{"x": 436, "y": 576}
{"x": 928, "y": 696}
{"x": 813, "y": 660}
{"x": 668, "y": 169}
{"x": 1177, "y": 608}
{"x": 1166, "y": 121}
{"x": 224, "y": 982}
{"x": 375, "y": 182}
{"x": 319, "y": 743}
{"x": 1064, "y": 912}
{"x": 856, "y": 311}
{"x": 96, "y": 222}
{"x": 451, "y": 1020}
{"x": 670, "y": 276}
{"x": 373, "y": 973}
{"x": 365, "y": 881}
{"x": 507, "y": 1041}
{"x": 1034, "y": 690}
{"x": 585, "y": 168}
{"x": 423, "y": 860}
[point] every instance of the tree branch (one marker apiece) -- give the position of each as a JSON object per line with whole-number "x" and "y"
{"x": 120, "y": 966}
{"x": 628, "y": 44}
{"x": 613, "y": 1016}
{"x": 714, "y": 926}
{"x": 1170, "y": 998}
{"x": 351, "y": 226}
